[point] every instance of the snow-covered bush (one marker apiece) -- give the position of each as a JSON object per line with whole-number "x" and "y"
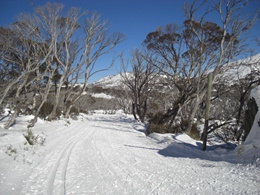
{"x": 10, "y": 150}
{"x": 34, "y": 139}
{"x": 158, "y": 128}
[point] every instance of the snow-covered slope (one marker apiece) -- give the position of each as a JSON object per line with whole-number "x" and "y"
{"x": 249, "y": 151}
{"x": 237, "y": 70}
{"x": 241, "y": 68}
{"x": 109, "y": 81}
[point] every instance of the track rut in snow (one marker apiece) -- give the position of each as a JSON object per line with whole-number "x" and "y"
{"x": 57, "y": 179}
{"x": 108, "y": 155}
{"x": 49, "y": 177}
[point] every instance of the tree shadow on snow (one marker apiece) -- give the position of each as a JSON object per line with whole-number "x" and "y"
{"x": 141, "y": 147}
{"x": 179, "y": 149}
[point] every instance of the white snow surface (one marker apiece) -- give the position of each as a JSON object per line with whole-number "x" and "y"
{"x": 249, "y": 151}
{"x": 110, "y": 154}
{"x": 110, "y": 81}
{"x": 241, "y": 68}
{"x": 102, "y": 95}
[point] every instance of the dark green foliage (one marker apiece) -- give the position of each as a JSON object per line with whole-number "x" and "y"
{"x": 194, "y": 132}
{"x": 155, "y": 125}
{"x": 74, "y": 111}
{"x": 84, "y": 111}
{"x": 156, "y": 128}
{"x": 155, "y": 118}
{"x": 46, "y": 110}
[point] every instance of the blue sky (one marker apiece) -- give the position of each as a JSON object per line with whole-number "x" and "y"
{"x": 134, "y": 18}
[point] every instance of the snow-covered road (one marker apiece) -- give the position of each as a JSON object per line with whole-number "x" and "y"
{"x": 110, "y": 154}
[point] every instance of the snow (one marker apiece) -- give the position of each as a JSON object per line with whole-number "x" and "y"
{"x": 110, "y": 154}
{"x": 250, "y": 150}
{"x": 102, "y": 95}
{"x": 110, "y": 81}
{"x": 240, "y": 69}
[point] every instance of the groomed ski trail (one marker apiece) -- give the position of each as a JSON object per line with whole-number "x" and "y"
{"x": 110, "y": 154}
{"x": 49, "y": 177}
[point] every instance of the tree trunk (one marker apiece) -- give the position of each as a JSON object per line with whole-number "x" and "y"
{"x": 205, "y": 132}
{"x": 11, "y": 119}
{"x": 8, "y": 87}
{"x": 44, "y": 99}
{"x": 133, "y": 111}
{"x": 143, "y": 110}
{"x": 18, "y": 103}
{"x": 67, "y": 111}
{"x": 55, "y": 104}
{"x": 193, "y": 113}
{"x": 194, "y": 110}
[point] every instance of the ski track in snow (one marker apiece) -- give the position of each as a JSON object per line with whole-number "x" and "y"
{"x": 109, "y": 154}
{"x": 50, "y": 176}
{"x": 58, "y": 174}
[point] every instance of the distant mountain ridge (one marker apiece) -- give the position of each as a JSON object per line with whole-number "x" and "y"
{"x": 109, "y": 81}
{"x": 239, "y": 69}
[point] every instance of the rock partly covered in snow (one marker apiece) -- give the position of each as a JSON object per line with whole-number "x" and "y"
{"x": 249, "y": 151}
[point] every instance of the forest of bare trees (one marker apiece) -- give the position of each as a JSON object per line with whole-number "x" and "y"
{"x": 48, "y": 53}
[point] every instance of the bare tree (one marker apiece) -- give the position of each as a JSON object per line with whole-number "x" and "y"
{"x": 138, "y": 80}
{"x": 65, "y": 34}
{"x": 166, "y": 44}
{"x": 24, "y": 54}
{"x": 186, "y": 68}
{"x": 123, "y": 98}
{"x": 60, "y": 28}
{"x": 47, "y": 46}
{"x": 96, "y": 43}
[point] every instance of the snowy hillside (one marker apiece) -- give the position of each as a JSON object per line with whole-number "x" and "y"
{"x": 110, "y": 154}
{"x": 109, "y": 81}
{"x": 238, "y": 70}
{"x": 241, "y": 68}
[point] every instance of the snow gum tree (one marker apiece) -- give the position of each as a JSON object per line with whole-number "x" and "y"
{"x": 227, "y": 43}
{"x": 96, "y": 43}
{"x": 52, "y": 47}
{"x": 23, "y": 54}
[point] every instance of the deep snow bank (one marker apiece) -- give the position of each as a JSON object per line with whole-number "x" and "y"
{"x": 249, "y": 151}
